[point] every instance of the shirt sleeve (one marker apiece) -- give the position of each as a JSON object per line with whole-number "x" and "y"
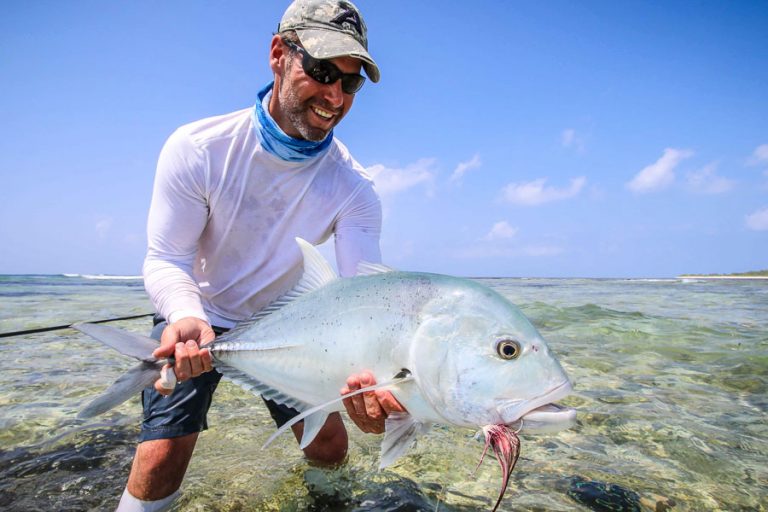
{"x": 358, "y": 230}
{"x": 178, "y": 214}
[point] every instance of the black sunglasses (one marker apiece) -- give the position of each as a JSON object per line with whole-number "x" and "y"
{"x": 325, "y": 71}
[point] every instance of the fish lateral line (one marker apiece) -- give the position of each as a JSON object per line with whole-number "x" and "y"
{"x": 251, "y": 346}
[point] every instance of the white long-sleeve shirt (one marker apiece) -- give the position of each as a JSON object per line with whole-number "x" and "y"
{"x": 224, "y": 215}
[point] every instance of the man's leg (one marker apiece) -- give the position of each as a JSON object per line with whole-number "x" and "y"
{"x": 167, "y": 440}
{"x": 156, "y": 475}
{"x": 329, "y": 447}
{"x": 159, "y": 467}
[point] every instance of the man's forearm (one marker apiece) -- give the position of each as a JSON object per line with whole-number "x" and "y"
{"x": 172, "y": 289}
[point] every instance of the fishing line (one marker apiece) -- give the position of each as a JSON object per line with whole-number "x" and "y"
{"x": 68, "y": 326}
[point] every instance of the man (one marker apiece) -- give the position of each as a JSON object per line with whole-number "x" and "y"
{"x": 231, "y": 193}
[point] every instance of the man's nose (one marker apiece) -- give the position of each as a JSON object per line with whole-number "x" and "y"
{"x": 333, "y": 94}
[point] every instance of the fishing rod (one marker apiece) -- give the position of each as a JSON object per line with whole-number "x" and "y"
{"x": 67, "y": 326}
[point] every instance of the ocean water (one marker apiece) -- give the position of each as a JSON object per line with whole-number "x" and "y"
{"x": 671, "y": 385}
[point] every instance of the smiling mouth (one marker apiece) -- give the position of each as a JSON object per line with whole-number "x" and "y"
{"x": 322, "y": 113}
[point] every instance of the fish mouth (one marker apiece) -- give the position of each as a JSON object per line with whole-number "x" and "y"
{"x": 540, "y": 414}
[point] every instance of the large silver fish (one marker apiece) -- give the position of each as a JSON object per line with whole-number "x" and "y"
{"x": 451, "y": 350}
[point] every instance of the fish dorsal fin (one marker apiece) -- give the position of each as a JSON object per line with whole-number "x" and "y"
{"x": 366, "y": 268}
{"x": 317, "y": 273}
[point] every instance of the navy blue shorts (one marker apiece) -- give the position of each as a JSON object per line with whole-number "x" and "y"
{"x": 185, "y": 411}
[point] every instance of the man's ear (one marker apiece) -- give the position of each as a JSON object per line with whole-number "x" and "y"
{"x": 277, "y": 51}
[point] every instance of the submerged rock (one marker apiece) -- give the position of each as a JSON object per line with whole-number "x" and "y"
{"x": 603, "y": 497}
{"x": 85, "y": 471}
{"x": 329, "y": 491}
{"x": 606, "y": 497}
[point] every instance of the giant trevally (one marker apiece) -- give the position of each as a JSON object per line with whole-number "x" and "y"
{"x": 451, "y": 351}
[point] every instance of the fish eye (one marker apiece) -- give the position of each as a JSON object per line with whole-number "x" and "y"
{"x": 508, "y": 349}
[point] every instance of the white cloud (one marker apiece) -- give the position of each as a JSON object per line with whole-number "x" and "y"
{"x": 392, "y": 181}
{"x": 759, "y": 155}
{"x": 570, "y": 139}
{"x": 463, "y": 167}
{"x": 535, "y": 192}
{"x": 660, "y": 174}
{"x": 103, "y": 226}
{"x": 758, "y": 220}
{"x": 706, "y": 180}
{"x": 500, "y": 231}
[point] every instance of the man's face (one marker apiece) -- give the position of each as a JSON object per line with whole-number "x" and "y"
{"x": 306, "y": 108}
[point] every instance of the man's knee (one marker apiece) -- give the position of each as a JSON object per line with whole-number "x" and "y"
{"x": 159, "y": 466}
{"x": 330, "y": 446}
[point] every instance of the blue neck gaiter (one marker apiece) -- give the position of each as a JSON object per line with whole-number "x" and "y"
{"x": 276, "y": 141}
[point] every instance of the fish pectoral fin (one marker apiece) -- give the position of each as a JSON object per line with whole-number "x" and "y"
{"x": 401, "y": 431}
{"x": 312, "y": 425}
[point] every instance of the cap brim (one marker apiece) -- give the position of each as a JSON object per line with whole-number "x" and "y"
{"x": 330, "y": 44}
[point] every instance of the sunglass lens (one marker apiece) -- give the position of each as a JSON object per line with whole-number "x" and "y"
{"x": 326, "y": 72}
{"x": 322, "y": 71}
{"x": 350, "y": 84}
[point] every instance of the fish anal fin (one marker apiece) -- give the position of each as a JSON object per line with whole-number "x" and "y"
{"x": 401, "y": 377}
{"x": 312, "y": 425}
{"x": 255, "y": 386}
{"x": 401, "y": 432}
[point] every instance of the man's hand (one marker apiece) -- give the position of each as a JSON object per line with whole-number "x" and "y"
{"x": 182, "y": 339}
{"x": 369, "y": 410}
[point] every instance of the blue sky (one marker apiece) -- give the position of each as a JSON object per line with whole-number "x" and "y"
{"x": 557, "y": 139}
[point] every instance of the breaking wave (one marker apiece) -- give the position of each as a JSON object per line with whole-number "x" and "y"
{"x": 102, "y": 277}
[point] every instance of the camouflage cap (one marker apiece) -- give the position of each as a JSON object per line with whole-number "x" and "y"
{"x": 330, "y": 28}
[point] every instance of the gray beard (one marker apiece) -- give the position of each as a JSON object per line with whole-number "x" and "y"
{"x": 297, "y": 113}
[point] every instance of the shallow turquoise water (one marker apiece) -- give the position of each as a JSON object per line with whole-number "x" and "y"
{"x": 671, "y": 386}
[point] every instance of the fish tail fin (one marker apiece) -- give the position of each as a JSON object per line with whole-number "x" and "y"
{"x": 134, "y": 380}
{"x": 127, "y": 343}
{"x": 127, "y": 386}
